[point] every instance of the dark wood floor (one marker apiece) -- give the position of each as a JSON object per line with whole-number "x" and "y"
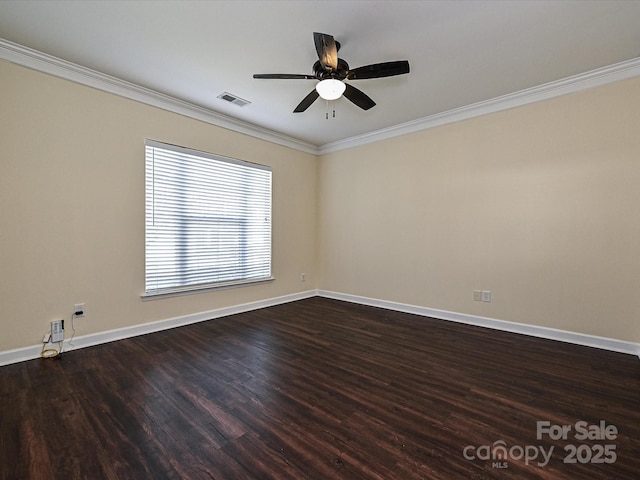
{"x": 318, "y": 389}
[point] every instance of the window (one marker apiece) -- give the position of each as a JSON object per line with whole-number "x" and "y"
{"x": 208, "y": 220}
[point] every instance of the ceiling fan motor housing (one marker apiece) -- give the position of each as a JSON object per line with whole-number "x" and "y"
{"x": 339, "y": 74}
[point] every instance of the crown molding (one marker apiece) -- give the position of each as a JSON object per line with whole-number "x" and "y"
{"x": 576, "y": 83}
{"x": 26, "y": 57}
{"x": 42, "y": 62}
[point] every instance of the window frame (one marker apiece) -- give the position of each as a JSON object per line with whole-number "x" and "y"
{"x": 189, "y": 216}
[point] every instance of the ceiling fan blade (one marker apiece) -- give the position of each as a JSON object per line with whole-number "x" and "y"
{"x": 307, "y": 101}
{"x": 284, "y": 76}
{"x": 379, "y": 70}
{"x": 327, "y": 50}
{"x": 358, "y": 97}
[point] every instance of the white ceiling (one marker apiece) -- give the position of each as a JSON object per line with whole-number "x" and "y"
{"x": 460, "y": 52}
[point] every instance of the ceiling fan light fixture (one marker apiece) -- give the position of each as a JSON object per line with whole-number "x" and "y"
{"x": 330, "y": 89}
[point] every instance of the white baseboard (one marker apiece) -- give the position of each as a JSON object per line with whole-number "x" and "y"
{"x": 31, "y": 352}
{"x": 604, "y": 343}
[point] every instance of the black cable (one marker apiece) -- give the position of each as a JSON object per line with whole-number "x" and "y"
{"x": 73, "y": 328}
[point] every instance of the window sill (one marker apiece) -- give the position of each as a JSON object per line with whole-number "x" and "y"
{"x": 177, "y": 292}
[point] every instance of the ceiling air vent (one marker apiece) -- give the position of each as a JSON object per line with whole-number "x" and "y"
{"x": 233, "y": 99}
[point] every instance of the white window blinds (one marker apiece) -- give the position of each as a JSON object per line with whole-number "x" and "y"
{"x": 208, "y": 220}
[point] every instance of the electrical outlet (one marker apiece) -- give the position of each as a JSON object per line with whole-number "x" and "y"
{"x": 80, "y": 309}
{"x": 477, "y": 295}
{"x": 303, "y": 277}
{"x": 486, "y": 296}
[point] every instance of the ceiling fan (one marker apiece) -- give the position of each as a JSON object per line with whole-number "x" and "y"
{"x": 331, "y": 72}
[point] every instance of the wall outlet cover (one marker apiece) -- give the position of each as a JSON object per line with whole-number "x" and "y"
{"x": 80, "y": 307}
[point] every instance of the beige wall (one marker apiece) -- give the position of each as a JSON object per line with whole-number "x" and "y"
{"x": 72, "y": 207}
{"x": 539, "y": 204}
